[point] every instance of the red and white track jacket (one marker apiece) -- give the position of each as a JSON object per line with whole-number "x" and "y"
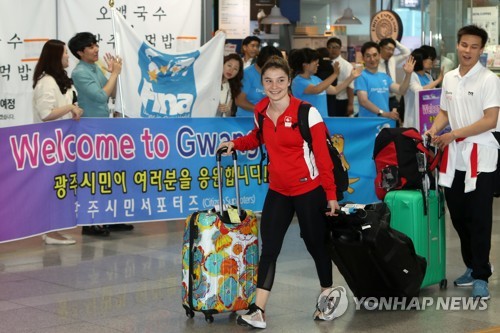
{"x": 293, "y": 169}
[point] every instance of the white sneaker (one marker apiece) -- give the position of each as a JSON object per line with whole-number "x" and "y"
{"x": 253, "y": 318}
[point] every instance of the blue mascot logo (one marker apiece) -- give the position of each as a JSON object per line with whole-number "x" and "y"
{"x": 167, "y": 88}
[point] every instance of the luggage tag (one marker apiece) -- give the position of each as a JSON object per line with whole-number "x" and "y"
{"x": 352, "y": 208}
{"x": 234, "y": 215}
{"x": 216, "y": 209}
{"x": 355, "y": 206}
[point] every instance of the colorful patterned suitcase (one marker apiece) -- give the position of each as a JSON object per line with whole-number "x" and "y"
{"x": 219, "y": 258}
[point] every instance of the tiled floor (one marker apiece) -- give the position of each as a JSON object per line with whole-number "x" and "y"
{"x": 130, "y": 282}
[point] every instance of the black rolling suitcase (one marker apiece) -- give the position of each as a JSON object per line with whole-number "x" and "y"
{"x": 375, "y": 260}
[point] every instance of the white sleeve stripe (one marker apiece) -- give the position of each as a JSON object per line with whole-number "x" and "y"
{"x": 314, "y": 116}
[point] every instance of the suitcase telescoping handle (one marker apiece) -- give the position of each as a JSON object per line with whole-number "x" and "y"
{"x": 219, "y": 154}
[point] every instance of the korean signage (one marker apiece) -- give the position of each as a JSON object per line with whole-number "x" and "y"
{"x": 26, "y": 25}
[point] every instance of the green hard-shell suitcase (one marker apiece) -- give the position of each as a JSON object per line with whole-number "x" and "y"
{"x": 424, "y": 223}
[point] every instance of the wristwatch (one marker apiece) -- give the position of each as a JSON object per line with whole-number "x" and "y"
{"x": 380, "y": 113}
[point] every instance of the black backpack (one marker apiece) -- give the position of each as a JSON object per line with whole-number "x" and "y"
{"x": 340, "y": 174}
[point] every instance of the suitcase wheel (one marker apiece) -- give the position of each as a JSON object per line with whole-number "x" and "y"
{"x": 189, "y": 313}
{"x": 209, "y": 318}
{"x": 443, "y": 284}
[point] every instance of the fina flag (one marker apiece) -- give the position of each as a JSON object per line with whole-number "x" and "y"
{"x": 155, "y": 84}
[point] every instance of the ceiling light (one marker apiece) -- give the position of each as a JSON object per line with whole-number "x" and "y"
{"x": 275, "y": 17}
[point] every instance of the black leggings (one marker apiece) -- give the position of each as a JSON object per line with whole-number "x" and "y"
{"x": 277, "y": 215}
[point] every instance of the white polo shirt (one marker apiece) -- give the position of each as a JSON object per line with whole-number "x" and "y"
{"x": 465, "y": 98}
{"x": 345, "y": 71}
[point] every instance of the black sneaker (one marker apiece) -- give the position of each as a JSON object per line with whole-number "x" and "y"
{"x": 120, "y": 227}
{"x": 253, "y": 318}
{"x": 95, "y": 230}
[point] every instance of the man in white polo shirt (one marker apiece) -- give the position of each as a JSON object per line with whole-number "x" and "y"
{"x": 470, "y": 102}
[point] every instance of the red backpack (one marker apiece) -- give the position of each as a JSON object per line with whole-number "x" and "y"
{"x": 401, "y": 160}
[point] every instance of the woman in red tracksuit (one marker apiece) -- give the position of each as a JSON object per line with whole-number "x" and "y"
{"x": 299, "y": 182}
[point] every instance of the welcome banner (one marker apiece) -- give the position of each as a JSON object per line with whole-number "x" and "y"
{"x": 60, "y": 174}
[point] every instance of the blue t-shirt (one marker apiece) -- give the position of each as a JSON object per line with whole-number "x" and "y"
{"x": 252, "y": 87}
{"x": 424, "y": 79}
{"x": 299, "y": 85}
{"x": 377, "y": 85}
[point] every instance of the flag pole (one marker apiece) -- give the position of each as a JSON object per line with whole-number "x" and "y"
{"x": 117, "y": 40}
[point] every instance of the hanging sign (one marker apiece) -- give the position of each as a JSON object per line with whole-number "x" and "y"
{"x": 386, "y": 24}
